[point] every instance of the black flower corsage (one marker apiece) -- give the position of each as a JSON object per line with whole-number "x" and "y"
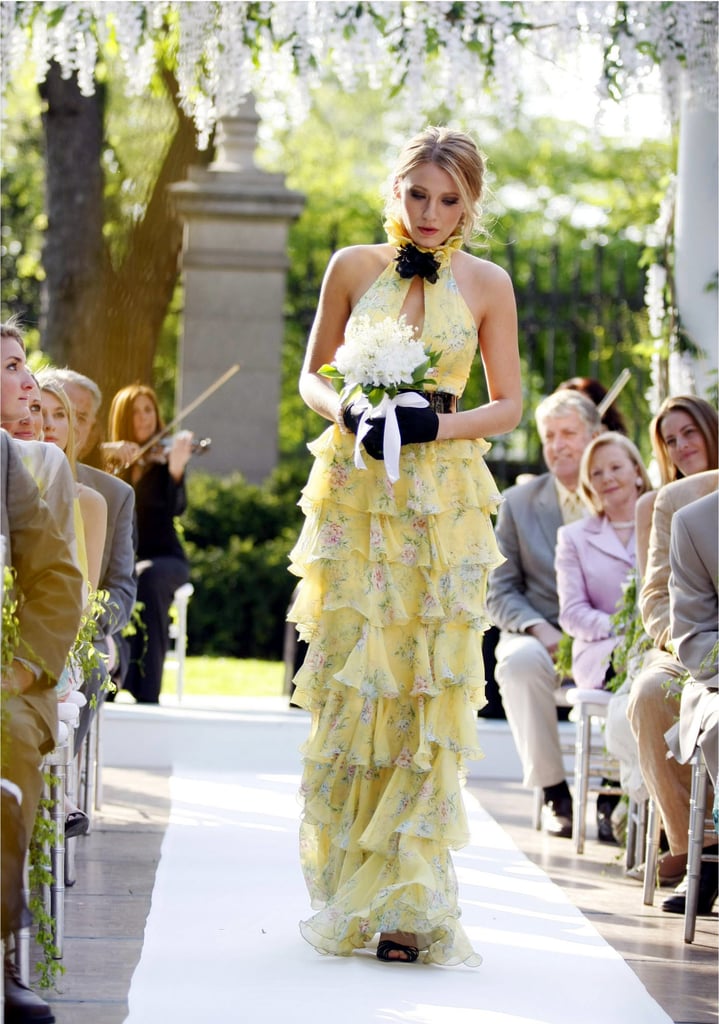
{"x": 412, "y": 262}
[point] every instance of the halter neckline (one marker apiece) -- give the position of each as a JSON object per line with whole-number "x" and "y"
{"x": 397, "y": 236}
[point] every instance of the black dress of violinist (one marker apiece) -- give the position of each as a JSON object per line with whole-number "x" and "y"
{"x": 158, "y": 479}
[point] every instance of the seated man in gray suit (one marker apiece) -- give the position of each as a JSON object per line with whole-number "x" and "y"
{"x": 693, "y": 610}
{"x": 117, "y": 572}
{"x": 523, "y": 597}
{"x": 693, "y": 613}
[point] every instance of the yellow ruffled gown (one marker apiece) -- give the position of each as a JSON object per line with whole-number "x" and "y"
{"x": 392, "y": 604}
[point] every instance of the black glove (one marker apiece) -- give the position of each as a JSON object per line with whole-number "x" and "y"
{"x": 372, "y": 441}
{"x": 417, "y": 425}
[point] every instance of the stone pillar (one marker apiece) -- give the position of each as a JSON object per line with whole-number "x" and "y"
{"x": 234, "y": 268}
{"x": 697, "y": 236}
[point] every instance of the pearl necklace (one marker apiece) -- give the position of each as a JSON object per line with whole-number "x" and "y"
{"x": 622, "y": 526}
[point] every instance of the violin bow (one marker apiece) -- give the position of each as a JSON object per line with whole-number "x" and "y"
{"x": 614, "y": 390}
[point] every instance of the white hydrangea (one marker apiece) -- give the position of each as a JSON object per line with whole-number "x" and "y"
{"x": 380, "y": 354}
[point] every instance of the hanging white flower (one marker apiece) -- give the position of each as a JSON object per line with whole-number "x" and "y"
{"x": 435, "y": 51}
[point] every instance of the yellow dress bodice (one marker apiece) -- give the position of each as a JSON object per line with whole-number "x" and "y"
{"x": 449, "y": 326}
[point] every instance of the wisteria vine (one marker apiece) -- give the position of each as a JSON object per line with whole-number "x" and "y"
{"x": 427, "y": 51}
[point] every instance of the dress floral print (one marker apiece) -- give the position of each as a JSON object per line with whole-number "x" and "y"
{"x": 393, "y": 605}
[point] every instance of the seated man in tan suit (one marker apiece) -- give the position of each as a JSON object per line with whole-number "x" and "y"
{"x": 654, "y": 697}
{"x": 49, "y": 585}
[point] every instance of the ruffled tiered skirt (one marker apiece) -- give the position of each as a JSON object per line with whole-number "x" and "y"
{"x": 392, "y": 604}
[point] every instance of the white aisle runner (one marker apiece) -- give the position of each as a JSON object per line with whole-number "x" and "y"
{"x": 222, "y": 942}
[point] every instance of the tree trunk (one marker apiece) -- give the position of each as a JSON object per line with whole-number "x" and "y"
{"x": 100, "y": 319}
{"x": 139, "y": 294}
{"x": 73, "y": 254}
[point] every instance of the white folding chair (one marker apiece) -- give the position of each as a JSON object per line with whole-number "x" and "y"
{"x": 178, "y": 635}
{"x": 592, "y": 762}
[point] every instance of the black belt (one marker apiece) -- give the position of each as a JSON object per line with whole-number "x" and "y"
{"x": 440, "y": 401}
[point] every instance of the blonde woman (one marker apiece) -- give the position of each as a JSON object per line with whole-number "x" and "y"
{"x": 394, "y": 574}
{"x": 91, "y": 507}
{"x": 596, "y": 555}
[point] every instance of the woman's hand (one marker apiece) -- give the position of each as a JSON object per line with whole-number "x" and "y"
{"x": 416, "y": 426}
{"x": 372, "y": 441}
{"x": 547, "y": 634}
{"x": 179, "y": 454}
{"x": 119, "y": 454}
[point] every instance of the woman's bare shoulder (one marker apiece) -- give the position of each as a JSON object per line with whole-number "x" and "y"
{"x": 354, "y": 256}
{"x": 485, "y": 286}
{"x": 354, "y": 268}
{"x": 480, "y": 270}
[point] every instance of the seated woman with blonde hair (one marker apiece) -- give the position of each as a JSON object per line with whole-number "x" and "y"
{"x": 91, "y": 507}
{"x": 596, "y": 554}
{"x": 594, "y": 560}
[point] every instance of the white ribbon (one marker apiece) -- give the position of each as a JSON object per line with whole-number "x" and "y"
{"x": 391, "y": 440}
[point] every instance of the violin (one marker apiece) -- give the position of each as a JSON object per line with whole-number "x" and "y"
{"x": 161, "y": 449}
{"x": 116, "y": 455}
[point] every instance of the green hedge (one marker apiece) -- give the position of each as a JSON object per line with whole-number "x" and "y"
{"x": 238, "y": 537}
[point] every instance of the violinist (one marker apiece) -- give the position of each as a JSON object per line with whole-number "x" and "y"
{"x": 158, "y": 479}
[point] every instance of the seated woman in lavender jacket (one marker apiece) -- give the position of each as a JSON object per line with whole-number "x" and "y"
{"x": 596, "y": 555}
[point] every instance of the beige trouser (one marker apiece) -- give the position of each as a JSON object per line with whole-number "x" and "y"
{"x": 26, "y": 738}
{"x": 527, "y": 680}
{"x": 653, "y": 709}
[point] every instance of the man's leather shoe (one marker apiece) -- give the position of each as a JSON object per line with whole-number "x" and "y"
{"x": 708, "y": 888}
{"x": 22, "y": 1006}
{"x": 557, "y": 817}
{"x": 606, "y": 804}
{"x": 605, "y": 832}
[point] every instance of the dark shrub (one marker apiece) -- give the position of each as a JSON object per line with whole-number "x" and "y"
{"x": 238, "y": 537}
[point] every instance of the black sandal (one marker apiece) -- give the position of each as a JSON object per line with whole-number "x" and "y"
{"x": 387, "y": 946}
{"x": 77, "y": 823}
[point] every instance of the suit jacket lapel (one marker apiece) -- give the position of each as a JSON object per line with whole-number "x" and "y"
{"x": 600, "y": 535}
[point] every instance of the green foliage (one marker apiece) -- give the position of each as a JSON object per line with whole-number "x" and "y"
{"x": 22, "y": 213}
{"x": 238, "y": 537}
{"x": 634, "y": 641}
{"x": 563, "y": 657}
{"x": 568, "y": 218}
{"x": 241, "y": 595}
{"x": 228, "y": 677}
{"x": 40, "y": 878}
{"x": 10, "y": 636}
{"x": 84, "y": 654}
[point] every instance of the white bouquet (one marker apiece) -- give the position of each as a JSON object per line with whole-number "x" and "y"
{"x": 380, "y": 365}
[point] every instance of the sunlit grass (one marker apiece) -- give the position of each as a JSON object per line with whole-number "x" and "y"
{"x": 228, "y": 677}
